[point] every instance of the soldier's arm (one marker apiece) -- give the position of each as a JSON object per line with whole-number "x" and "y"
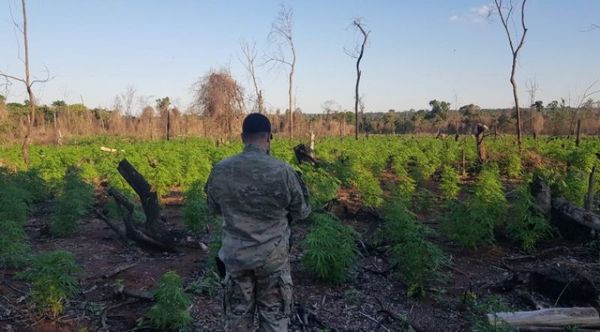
{"x": 299, "y": 207}
{"x": 213, "y": 207}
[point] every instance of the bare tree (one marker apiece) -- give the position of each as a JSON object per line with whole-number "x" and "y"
{"x": 28, "y": 82}
{"x": 281, "y": 35}
{"x": 583, "y": 99}
{"x": 505, "y": 13}
{"x": 249, "y": 62}
{"x": 357, "y": 54}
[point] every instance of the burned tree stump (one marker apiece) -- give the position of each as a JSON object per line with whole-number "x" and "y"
{"x": 152, "y": 232}
{"x": 571, "y": 220}
{"x": 304, "y": 155}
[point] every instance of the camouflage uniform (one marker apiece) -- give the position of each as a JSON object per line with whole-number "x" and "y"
{"x": 256, "y": 194}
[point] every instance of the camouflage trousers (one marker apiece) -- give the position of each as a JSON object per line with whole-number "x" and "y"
{"x": 264, "y": 292}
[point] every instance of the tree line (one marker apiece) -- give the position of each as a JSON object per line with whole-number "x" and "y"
{"x": 219, "y": 108}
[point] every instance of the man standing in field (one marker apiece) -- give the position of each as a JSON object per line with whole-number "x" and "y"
{"x": 257, "y": 196}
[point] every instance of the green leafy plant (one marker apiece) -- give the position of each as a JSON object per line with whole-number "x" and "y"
{"x": 416, "y": 258}
{"x": 15, "y": 204}
{"x": 171, "y": 311}
{"x": 75, "y": 199}
{"x": 54, "y": 280}
{"x": 195, "y": 209}
{"x": 209, "y": 284}
{"x": 472, "y": 223}
{"x": 513, "y": 165}
{"x": 322, "y": 186}
{"x": 330, "y": 250}
{"x": 490, "y": 305}
{"x": 14, "y": 250}
{"x": 526, "y": 224}
{"x": 450, "y": 182}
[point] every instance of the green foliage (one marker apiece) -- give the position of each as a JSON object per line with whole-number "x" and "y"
{"x": 404, "y": 190}
{"x": 450, "y": 182}
{"x": 15, "y": 203}
{"x": 472, "y": 223}
{"x": 491, "y": 305}
{"x": 171, "y": 311}
{"x": 14, "y": 250}
{"x": 322, "y": 186}
{"x": 209, "y": 284}
{"x": 526, "y": 224}
{"x": 53, "y": 276}
{"x": 416, "y": 258}
{"x": 330, "y": 250}
{"x": 423, "y": 200}
{"x": 195, "y": 209}
{"x": 74, "y": 201}
{"x": 513, "y": 165}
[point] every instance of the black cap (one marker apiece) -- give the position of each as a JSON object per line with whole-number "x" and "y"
{"x": 256, "y": 123}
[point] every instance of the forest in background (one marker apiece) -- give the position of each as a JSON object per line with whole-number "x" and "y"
{"x": 217, "y": 116}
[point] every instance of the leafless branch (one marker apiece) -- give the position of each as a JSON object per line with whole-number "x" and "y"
{"x": 6, "y": 76}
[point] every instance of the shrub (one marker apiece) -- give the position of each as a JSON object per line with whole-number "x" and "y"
{"x": 404, "y": 190}
{"x": 330, "y": 250}
{"x": 15, "y": 201}
{"x": 53, "y": 277}
{"x": 491, "y": 305}
{"x": 450, "y": 182}
{"x": 209, "y": 284}
{"x": 195, "y": 209}
{"x": 171, "y": 309}
{"x": 322, "y": 187}
{"x": 368, "y": 186}
{"x": 417, "y": 259}
{"x": 472, "y": 223}
{"x": 75, "y": 199}
{"x": 526, "y": 224}
{"x": 15, "y": 204}
{"x": 514, "y": 167}
{"x": 14, "y": 250}
{"x": 423, "y": 200}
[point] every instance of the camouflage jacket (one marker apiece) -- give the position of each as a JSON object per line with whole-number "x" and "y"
{"x": 257, "y": 195}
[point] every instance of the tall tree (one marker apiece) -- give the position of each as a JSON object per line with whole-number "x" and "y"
{"x": 249, "y": 62}
{"x": 358, "y": 55}
{"x": 28, "y": 82}
{"x": 505, "y": 12}
{"x": 281, "y": 36}
{"x": 219, "y": 97}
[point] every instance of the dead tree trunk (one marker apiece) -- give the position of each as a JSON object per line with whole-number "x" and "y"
{"x": 589, "y": 197}
{"x": 504, "y": 14}
{"x": 357, "y": 23}
{"x": 151, "y": 233}
{"x": 578, "y": 137}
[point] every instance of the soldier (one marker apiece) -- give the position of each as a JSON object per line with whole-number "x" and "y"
{"x": 257, "y": 195}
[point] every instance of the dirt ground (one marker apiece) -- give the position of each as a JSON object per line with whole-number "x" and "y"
{"x": 374, "y": 300}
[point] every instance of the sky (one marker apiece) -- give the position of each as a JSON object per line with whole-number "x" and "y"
{"x": 418, "y": 50}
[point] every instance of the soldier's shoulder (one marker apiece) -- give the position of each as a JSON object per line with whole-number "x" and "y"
{"x": 279, "y": 164}
{"x": 224, "y": 163}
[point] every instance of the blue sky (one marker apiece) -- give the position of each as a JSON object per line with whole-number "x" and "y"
{"x": 419, "y": 50}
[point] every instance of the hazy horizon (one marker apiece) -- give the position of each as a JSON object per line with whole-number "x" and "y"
{"x": 418, "y": 51}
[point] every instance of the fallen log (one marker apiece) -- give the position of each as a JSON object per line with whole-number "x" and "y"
{"x": 571, "y": 213}
{"x": 553, "y": 317}
{"x": 571, "y": 220}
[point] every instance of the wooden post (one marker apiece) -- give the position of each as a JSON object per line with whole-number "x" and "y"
{"x": 589, "y": 197}
{"x": 312, "y": 144}
{"x": 578, "y": 132}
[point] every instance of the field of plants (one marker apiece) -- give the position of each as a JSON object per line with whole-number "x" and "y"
{"x": 407, "y": 233}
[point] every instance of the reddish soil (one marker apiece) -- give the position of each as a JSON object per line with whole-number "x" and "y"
{"x": 374, "y": 300}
